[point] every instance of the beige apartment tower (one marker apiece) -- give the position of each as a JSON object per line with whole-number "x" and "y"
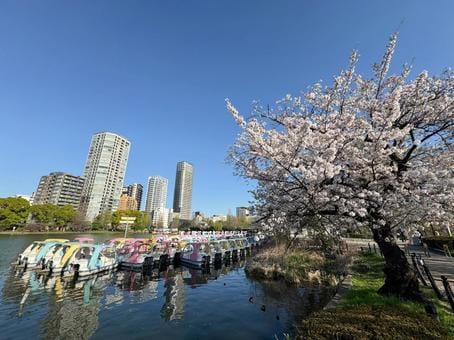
{"x": 104, "y": 174}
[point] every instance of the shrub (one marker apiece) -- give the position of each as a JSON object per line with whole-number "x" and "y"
{"x": 295, "y": 265}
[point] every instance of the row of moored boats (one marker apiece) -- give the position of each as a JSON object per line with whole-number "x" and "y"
{"x": 83, "y": 257}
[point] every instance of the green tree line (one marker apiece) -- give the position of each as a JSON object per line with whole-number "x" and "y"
{"x": 16, "y": 212}
{"x": 13, "y": 212}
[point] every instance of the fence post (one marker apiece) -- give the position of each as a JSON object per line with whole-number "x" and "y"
{"x": 370, "y": 249}
{"x": 432, "y": 281}
{"x": 448, "y": 291}
{"x": 407, "y": 249}
{"x": 418, "y": 270}
{"x": 426, "y": 249}
{"x": 446, "y": 249}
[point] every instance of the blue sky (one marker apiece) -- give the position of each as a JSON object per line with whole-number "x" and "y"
{"x": 158, "y": 72}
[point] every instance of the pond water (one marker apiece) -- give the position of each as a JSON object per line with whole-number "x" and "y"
{"x": 178, "y": 303}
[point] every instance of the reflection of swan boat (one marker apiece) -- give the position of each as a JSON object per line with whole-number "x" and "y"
{"x": 73, "y": 314}
{"x": 90, "y": 259}
{"x": 195, "y": 277}
{"x": 141, "y": 287}
{"x": 29, "y": 257}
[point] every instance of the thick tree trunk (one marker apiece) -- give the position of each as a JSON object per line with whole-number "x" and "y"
{"x": 401, "y": 280}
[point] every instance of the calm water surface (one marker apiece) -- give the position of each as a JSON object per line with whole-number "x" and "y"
{"x": 178, "y": 303}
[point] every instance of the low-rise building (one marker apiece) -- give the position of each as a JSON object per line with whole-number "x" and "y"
{"x": 198, "y": 217}
{"x": 216, "y": 218}
{"x": 25, "y": 197}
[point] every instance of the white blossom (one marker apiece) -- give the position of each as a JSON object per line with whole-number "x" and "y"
{"x": 376, "y": 152}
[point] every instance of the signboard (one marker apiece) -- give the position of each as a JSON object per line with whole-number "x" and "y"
{"x": 127, "y": 219}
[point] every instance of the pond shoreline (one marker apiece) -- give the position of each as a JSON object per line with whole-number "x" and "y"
{"x": 21, "y": 233}
{"x": 174, "y": 303}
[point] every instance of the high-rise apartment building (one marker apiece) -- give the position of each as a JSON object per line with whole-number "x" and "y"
{"x": 182, "y": 198}
{"x": 59, "y": 188}
{"x": 135, "y": 191}
{"x": 156, "y": 193}
{"x": 104, "y": 174}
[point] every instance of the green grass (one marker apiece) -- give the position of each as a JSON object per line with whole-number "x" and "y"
{"x": 443, "y": 308}
{"x": 366, "y": 284}
{"x": 364, "y": 314}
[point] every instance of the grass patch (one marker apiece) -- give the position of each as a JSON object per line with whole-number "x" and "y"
{"x": 443, "y": 308}
{"x": 364, "y": 314}
{"x": 368, "y": 322}
{"x": 368, "y": 277}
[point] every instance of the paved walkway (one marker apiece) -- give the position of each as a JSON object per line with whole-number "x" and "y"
{"x": 438, "y": 263}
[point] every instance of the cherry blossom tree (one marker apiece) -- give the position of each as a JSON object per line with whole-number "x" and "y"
{"x": 372, "y": 152}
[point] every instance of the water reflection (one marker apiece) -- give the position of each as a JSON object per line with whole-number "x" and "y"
{"x": 173, "y": 307}
{"x": 73, "y": 313}
{"x": 175, "y": 303}
{"x": 73, "y": 306}
{"x": 141, "y": 288}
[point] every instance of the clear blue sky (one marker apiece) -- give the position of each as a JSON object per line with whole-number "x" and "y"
{"x": 157, "y": 72}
